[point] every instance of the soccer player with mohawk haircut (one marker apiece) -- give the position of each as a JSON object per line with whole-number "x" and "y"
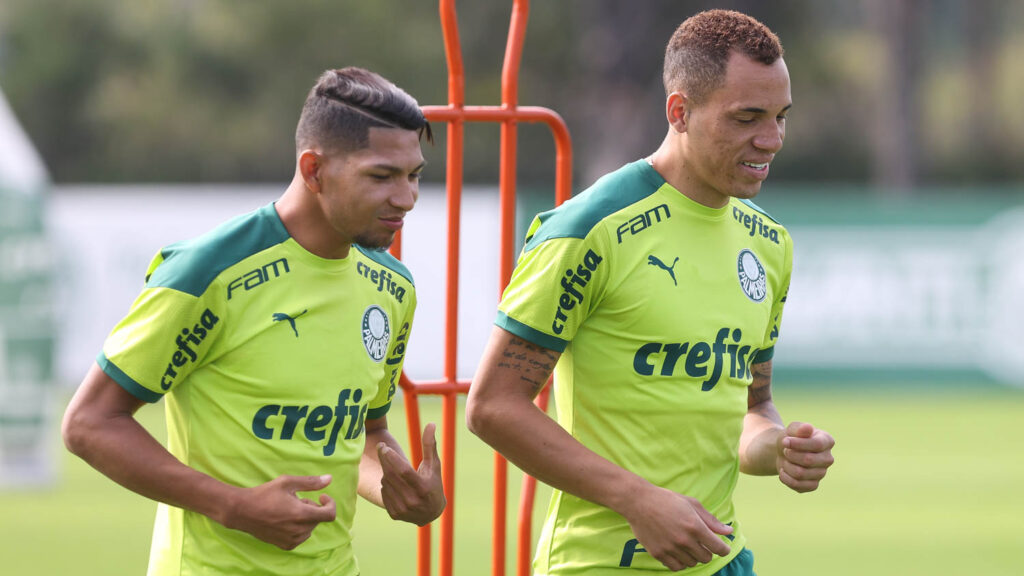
{"x": 278, "y": 353}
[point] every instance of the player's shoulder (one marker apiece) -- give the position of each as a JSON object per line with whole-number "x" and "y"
{"x": 385, "y": 259}
{"x": 190, "y": 266}
{"x": 609, "y": 195}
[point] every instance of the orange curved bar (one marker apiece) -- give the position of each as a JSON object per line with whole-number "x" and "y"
{"x": 453, "y": 53}
{"x": 456, "y": 114}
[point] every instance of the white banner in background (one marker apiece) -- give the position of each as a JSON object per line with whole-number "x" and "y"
{"x": 906, "y": 297}
{"x": 862, "y": 297}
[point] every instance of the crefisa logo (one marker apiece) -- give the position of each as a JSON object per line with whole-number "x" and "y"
{"x": 751, "y": 275}
{"x": 376, "y": 332}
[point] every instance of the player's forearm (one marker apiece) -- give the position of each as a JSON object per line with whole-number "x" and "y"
{"x": 762, "y": 427}
{"x": 370, "y": 472}
{"x": 535, "y": 443}
{"x": 121, "y": 449}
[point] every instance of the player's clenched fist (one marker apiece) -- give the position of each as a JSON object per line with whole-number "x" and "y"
{"x": 805, "y": 453}
{"x": 275, "y": 514}
{"x": 415, "y": 496}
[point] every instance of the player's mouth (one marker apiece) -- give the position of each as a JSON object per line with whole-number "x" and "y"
{"x": 758, "y": 170}
{"x": 393, "y": 222}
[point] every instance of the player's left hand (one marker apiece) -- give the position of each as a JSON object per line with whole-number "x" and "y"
{"x": 415, "y": 496}
{"x": 804, "y": 455}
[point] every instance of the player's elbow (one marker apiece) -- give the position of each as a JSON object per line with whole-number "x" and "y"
{"x": 476, "y": 419}
{"x": 79, "y": 428}
{"x": 482, "y": 416}
{"x": 74, "y": 431}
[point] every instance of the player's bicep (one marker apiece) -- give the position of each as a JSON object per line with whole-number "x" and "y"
{"x": 99, "y": 400}
{"x": 512, "y": 366}
{"x": 101, "y": 394}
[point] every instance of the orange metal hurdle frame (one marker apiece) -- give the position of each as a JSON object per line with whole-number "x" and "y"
{"x": 456, "y": 114}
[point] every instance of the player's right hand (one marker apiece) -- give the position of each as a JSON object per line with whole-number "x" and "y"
{"x": 274, "y": 513}
{"x": 676, "y": 530}
{"x": 415, "y": 496}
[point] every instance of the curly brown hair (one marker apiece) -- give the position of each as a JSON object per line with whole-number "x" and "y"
{"x": 698, "y": 51}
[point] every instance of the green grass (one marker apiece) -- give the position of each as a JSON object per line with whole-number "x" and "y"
{"x": 925, "y": 483}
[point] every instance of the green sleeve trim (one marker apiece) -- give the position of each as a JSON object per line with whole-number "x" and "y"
{"x": 190, "y": 266}
{"x": 385, "y": 259}
{"x": 374, "y": 413}
{"x": 764, "y": 355}
{"x": 530, "y": 334}
{"x": 610, "y": 194}
{"x": 125, "y": 381}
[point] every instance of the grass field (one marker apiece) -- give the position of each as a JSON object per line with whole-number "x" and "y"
{"x": 926, "y": 482}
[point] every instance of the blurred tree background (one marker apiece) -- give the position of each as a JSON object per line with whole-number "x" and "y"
{"x": 887, "y": 94}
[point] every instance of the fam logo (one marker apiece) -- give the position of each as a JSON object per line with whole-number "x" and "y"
{"x": 259, "y": 276}
{"x": 751, "y": 274}
{"x": 376, "y": 332}
{"x": 641, "y": 222}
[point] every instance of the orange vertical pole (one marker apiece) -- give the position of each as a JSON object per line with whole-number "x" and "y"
{"x": 412, "y": 424}
{"x": 507, "y": 201}
{"x": 456, "y": 100}
{"x": 509, "y": 114}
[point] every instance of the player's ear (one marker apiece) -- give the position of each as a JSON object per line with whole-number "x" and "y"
{"x": 676, "y": 106}
{"x": 310, "y": 164}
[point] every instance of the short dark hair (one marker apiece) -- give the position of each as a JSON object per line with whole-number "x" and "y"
{"x": 345, "y": 103}
{"x": 698, "y": 51}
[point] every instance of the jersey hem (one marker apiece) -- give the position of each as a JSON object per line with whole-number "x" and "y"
{"x": 374, "y": 413}
{"x": 125, "y": 381}
{"x": 529, "y": 334}
{"x": 764, "y": 355}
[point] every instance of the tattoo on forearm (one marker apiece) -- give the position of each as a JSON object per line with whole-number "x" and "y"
{"x": 533, "y": 363}
{"x": 760, "y": 390}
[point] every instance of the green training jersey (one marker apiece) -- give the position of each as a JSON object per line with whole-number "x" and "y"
{"x": 271, "y": 359}
{"x": 659, "y": 306}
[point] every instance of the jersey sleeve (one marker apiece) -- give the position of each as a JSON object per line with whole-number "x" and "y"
{"x": 781, "y": 291}
{"x": 165, "y": 336}
{"x": 388, "y": 386}
{"x": 555, "y": 286}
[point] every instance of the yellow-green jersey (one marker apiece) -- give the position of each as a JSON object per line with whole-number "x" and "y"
{"x": 659, "y": 306}
{"x": 271, "y": 360}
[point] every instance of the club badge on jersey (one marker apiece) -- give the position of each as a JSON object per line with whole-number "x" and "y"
{"x": 751, "y": 276}
{"x": 376, "y": 331}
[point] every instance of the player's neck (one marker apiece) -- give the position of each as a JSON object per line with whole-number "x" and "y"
{"x": 669, "y": 160}
{"x": 302, "y": 217}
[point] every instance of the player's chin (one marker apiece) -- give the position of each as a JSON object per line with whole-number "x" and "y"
{"x": 746, "y": 191}
{"x": 379, "y": 241}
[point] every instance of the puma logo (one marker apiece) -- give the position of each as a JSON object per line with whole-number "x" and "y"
{"x": 278, "y": 316}
{"x": 654, "y": 261}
